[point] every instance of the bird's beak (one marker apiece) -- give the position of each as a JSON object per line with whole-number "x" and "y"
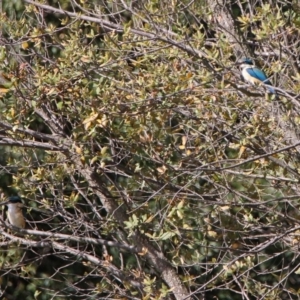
{"x": 3, "y": 203}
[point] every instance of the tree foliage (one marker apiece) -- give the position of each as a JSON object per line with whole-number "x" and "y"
{"x": 149, "y": 170}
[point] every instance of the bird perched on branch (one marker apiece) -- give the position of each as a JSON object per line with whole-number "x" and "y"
{"x": 15, "y": 211}
{"x": 254, "y": 75}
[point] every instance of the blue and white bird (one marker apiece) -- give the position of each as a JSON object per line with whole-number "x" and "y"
{"x": 255, "y": 75}
{"x": 15, "y": 211}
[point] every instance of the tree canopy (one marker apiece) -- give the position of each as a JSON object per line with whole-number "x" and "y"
{"x": 148, "y": 168}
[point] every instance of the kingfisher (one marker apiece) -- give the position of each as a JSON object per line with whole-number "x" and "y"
{"x": 15, "y": 211}
{"x": 255, "y": 75}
